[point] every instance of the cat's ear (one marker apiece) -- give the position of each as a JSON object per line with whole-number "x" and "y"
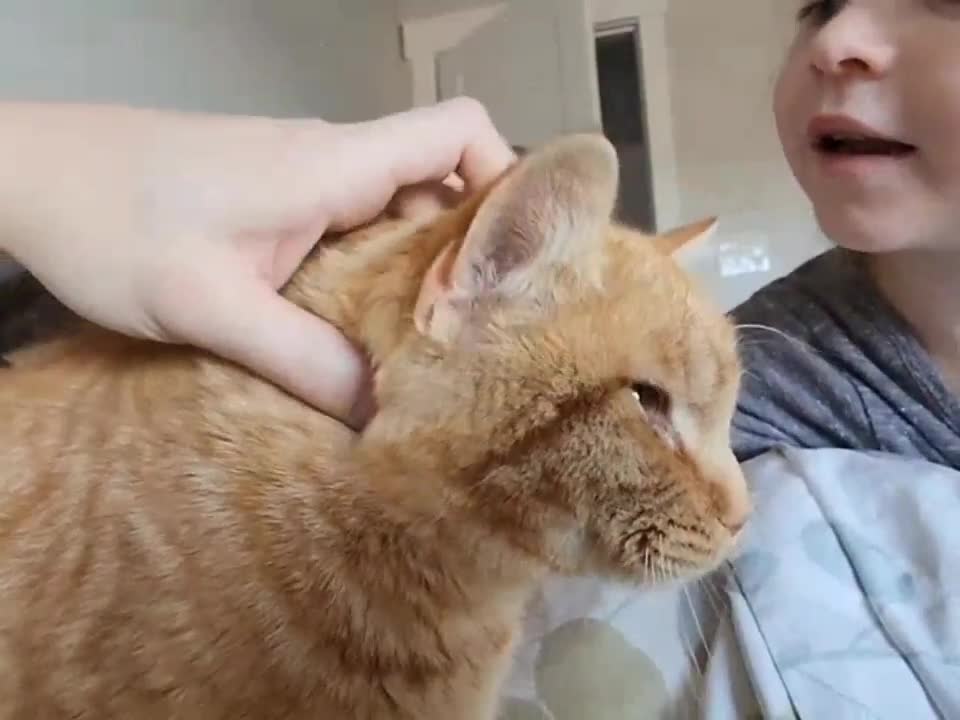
{"x": 541, "y": 212}
{"x": 686, "y": 239}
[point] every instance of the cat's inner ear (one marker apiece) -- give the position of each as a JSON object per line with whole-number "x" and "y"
{"x": 548, "y": 207}
{"x": 686, "y": 239}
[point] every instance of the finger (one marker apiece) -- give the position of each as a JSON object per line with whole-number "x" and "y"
{"x": 429, "y": 143}
{"x": 262, "y": 331}
{"x": 454, "y": 182}
{"x": 424, "y": 201}
{"x": 453, "y": 136}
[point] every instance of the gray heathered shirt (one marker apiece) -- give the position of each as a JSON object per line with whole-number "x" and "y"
{"x": 853, "y": 375}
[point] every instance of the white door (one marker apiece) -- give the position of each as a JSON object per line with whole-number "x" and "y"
{"x": 532, "y": 66}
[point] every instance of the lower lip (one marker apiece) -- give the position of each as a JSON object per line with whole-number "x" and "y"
{"x": 859, "y": 165}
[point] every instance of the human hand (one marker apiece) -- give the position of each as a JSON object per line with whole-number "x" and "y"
{"x": 181, "y": 228}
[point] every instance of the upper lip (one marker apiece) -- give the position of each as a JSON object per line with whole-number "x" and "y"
{"x": 823, "y": 126}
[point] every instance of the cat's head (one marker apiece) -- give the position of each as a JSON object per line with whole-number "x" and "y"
{"x": 567, "y": 378}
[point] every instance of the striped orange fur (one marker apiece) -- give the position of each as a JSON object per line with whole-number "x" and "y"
{"x": 180, "y": 539}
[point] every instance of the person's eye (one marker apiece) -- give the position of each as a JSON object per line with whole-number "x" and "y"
{"x": 819, "y": 12}
{"x": 947, "y": 7}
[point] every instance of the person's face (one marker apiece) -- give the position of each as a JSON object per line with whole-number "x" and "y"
{"x": 867, "y": 107}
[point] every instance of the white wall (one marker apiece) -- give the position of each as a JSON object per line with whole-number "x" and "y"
{"x": 531, "y": 65}
{"x": 717, "y": 152}
{"x": 336, "y": 58}
{"x": 342, "y": 59}
{"x": 724, "y": 57}
{"x": 339, "y": 59}
{"x": 529, "y": 62}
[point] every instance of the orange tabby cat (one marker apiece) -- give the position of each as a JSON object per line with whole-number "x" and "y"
{"x": 179, "y": 539}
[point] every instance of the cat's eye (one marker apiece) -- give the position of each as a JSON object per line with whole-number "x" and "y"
{"x": 652, "y": 398}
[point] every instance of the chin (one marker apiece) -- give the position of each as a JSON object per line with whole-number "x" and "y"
{"x": 866, "y": 232}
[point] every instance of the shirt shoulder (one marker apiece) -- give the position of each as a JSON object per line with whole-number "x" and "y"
{"x": 827, "y": 363}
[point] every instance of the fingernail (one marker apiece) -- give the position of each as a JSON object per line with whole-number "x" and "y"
{"x": 365, "y": 406}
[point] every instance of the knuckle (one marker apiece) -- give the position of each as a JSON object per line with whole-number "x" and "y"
{"x": 472, "y": 108}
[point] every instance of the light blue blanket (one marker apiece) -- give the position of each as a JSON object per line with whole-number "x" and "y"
{"x": 845, "y": 602}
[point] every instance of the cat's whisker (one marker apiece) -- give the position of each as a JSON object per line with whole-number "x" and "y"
{"x": 691, "y": 654}
{"x": 655, "y": 556}
{"x": 760, "y": 326}
{"x": 697, "y": 682}
{"x": 688, "y": 646}
{"x": 696, "y": 617}
{"x": 715, "y": 597}
{"x": 743, "y": 346}
{"x": 711, "y": 592}
{"x": 774, "y": 331}
{"x": 753, "y": 374}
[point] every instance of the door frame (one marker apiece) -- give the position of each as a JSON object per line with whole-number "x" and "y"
{"x": 650, "y": 19}
{"x": 424, "y": 38}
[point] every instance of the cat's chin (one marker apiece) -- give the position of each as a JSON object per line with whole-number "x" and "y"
{"x": 659, "y": 574}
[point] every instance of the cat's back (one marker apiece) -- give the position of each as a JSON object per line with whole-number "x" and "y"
{"x": 79, "y": 418}
{"x": 101, "y": 393}
{"x": 92, "y": 394}
{"x": 130, "y": 477}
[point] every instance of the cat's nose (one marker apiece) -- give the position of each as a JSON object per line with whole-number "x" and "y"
{"x": 734, "y": 512}
{"x": 732, "y": 496}
{"x": 734, "y": 526}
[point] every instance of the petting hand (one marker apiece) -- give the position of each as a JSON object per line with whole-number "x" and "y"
{"x": 181, "y": 228}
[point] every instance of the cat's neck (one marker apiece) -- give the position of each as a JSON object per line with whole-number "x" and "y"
{"x": 474, "y": 502}
{"x": 367, "y": 523}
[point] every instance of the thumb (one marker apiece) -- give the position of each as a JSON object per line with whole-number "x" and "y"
{"x": 255, "y": 327}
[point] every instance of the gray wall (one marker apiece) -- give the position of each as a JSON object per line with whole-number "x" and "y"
{"x": 336, "y": 58}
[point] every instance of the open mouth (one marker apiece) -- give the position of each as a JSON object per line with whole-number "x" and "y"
{"x": 852, "y": 144}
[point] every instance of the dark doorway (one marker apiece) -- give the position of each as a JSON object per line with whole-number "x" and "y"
{"x": 623, "y": 114}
